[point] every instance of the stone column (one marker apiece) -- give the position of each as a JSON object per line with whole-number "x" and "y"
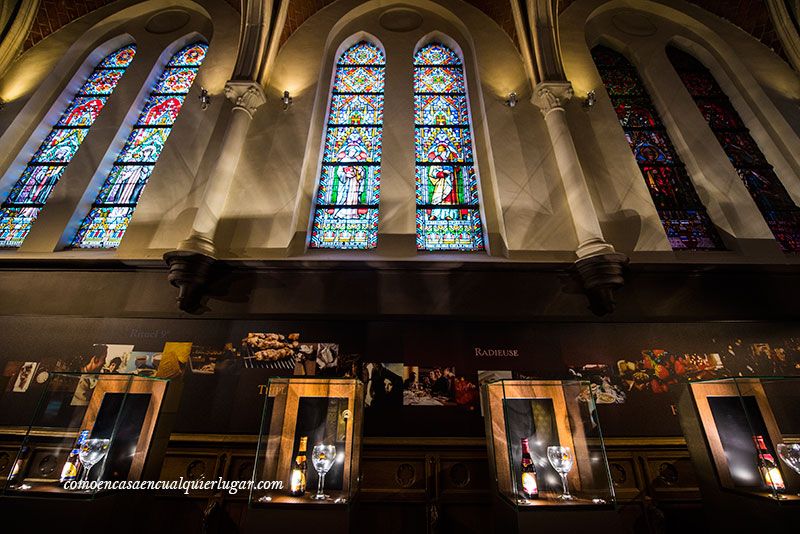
{"x": 599, "y": 266}
{"x": 191, "y": 264}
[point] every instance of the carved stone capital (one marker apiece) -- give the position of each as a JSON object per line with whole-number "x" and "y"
{"x": 190, "y": 272}
{"x": 246, "y": 95}
{"x": 551, "y": 96}
{"x": 600, "y": 276}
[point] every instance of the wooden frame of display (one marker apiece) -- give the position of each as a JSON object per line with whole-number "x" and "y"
{"x": 741, "y": 387}
{"x": 131, "y": 384}
{"x": 532, "y": 390}
{"x": 283, "y": 443}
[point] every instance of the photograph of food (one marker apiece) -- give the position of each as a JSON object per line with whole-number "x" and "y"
{"x": 658, "y": 370}
{"x": 604, "y": 386}
{"x": 25, "y": 377}
{"x": 271, "y": 350}
{"x": 143, "y": 363}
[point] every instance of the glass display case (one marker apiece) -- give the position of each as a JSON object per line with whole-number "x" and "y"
{"x": 545, "y": 444}
{"x": 751, "y": 427}
{"x": 87, "y": 427}
{"x": 310, "y": 443}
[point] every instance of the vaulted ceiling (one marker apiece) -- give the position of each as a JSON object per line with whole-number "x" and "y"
{"x": 750, "y": 15}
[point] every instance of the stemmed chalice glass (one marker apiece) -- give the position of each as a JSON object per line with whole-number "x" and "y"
{"x": 92, "y": 451}
{"x": 561, "y": 459}
{"x": 322, "y": 457}
{"x": 790, "y": 454}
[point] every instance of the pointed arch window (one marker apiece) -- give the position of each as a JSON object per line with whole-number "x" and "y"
{"x": 113, "y": 208}
{"x": 777, "y": 207}
{"x": 346, "y": 212}
{"x": 684, "y": 217}
{"x": 29, "y": 195}
{"x": 448, "y": 211}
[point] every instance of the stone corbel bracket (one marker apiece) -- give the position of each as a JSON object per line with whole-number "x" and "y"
{"x": 599, "y": 278}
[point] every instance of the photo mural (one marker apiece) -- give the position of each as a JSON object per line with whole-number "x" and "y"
{"x": 421, "y": 378}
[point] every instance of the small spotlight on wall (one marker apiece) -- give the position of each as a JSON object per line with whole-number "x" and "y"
{"x": 205, "y": 98}
{"x": 287, "y": 100}
{"x": 512, "y": 100}
{"x": 590, "y": 101}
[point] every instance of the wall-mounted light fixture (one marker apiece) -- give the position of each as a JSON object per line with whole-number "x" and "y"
{"x": 287, "y": 100}
{"x": 512, "y": 100}
{"x": 205, "y": 99}
{"x": 590, "y": 101}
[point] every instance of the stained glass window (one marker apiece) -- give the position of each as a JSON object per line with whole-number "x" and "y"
{"x": 684, "y": 217}
{"x": 779, "y": 210}
{"x": 448, "y": 211}
{"x": 30, "y": 193}
{"x": 113, "y": 208}
{"x": 346, "y": 212}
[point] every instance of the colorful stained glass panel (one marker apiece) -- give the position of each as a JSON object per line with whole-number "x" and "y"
{"x": 102, "y": 82}
{"x": 436, "y": 54}
{"x": 682, "y": 214}
{"x": 443, "y": 145}
{"x": 363, "y": 53}
{"x": 353, "y": 144}
{"x": 35, "y": 184}
{"x": 699, "y": 84}
{"x": 345, "y": 228}
{"x": 175, "y": 81}
{"x": 161, "y": 111}
{"x": 359, "y": 80}
{"x": 114, "y": 205}
{"x": 32, "y": 189}
{"x": 15, "y": 224}
{"x": 689, "y": 230}
{"x": 348, "y": 185}
{"x": 356, "y": 109}
{"x": 446, "y": 185}
{"x": 766, "y": 189}
{"x": 120, "y": 59}
{"x": 60, "y": 146}
{"x": 104, "y": 227}
{"x": 449, "y": 229}
{"x": 144, "y": 145}
{"x": 741, "y": 149}
{"x": 124, "y": 184}
{"x": 439, "y": 80}
{"x": 190, "y": 56}
{"x": 785, "y": 226}
{"x": 443, "y": 135}
{"x": 777, "y": 206}
{"x": 633, "y": 114}
{"x": 621, "y": 82}
{"x": 718, "y": 115}
{"x": 669, "y": 187}
{"x": 440, "y": 110}
{"x": 350, "y": 175}
{"x": 651, "y": 147}
{"x": 83, "y": 111}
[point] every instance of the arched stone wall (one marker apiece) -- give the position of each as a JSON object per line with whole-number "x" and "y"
{"x": 48, "y": 72}
{"x": 523, "y": 198}
{"x": 642, "y": 33}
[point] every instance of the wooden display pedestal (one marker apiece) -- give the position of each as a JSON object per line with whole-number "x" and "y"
{"x": 731, "y": 509}
{"x": 575, "y": 518}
